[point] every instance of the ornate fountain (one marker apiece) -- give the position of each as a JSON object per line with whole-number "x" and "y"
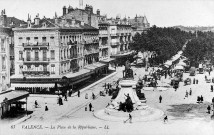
{"x": 127, "y": 101}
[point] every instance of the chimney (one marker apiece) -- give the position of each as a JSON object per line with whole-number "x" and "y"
{"x": 29, "y": 21}
{"x": 82, "y": 23}
{"x": 37, "y": 19}
{"x": 56, "y": 19}
{"x": 73, "y": 22}
{"x": 98, "y": 12}
{"x": 64, "y": 10}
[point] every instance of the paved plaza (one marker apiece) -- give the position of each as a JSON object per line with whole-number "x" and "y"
{"x": 184, "y": 114}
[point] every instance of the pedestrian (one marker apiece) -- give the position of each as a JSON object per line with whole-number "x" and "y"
{"x": 202, "y": 99}
{"x": 46, "y": 107}
{"x": 190, "y": 92}
{"x": 130, "y": 119}
{"x": 78, "y": 93}
{"x": 213, "y": 100}
{"x": 85, "y": 108}
{"x": 70, "y": 92}
{"x": 186, "y": 94}
{"x": 198, "y": 99}
{"x": 36, "y": 104}
{"x": 66, "y": 97}
{"x": 90, "y": 107}
{"x": 160, "y": 99}
{"x": 86, "y": 96}
{"x": 196, "y": 81}
{"x": 211, "y": 88}
{"x": 93, "y": 96}
{"x": 165, "y": 119}
{"x": 208, "y": 109}
{"x": 105, "y": 85}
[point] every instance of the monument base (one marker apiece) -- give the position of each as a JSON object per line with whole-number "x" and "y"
{"x": 146, "y": 114}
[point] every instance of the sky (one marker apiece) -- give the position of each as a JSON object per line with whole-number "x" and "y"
{"x": 163, "y": 13}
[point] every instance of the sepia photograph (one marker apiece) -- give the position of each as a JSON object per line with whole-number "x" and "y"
{"x": 106, "y": 67}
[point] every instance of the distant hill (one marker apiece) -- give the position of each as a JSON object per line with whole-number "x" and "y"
{"x": 192, "y": 29}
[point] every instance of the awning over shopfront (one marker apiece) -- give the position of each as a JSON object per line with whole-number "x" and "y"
{"x": 26, "y": 85}
{"x": 122, "y": 55}
{"x": 80, "y": 74}
{"x": 108, "y": 60}
{"x": 95, "y": 66}
{"x": 13, "y": 96}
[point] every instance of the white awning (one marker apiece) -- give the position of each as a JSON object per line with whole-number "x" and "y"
{"x": 25, "y": 85}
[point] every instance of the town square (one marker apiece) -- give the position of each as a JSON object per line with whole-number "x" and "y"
{"x": 84, "y": 72}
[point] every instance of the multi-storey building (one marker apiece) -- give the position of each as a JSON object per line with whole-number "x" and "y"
{"x": 114, "y": 37}
{"x": 139, "y": 24}
{"x": 5, "y": 34}
{"x": 86, "y": 15}
{"x": 6, "y": 48}
{"x": 51, "y": 49}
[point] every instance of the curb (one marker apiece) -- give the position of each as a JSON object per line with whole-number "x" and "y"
{"x": 42, "y": 95}
{"x": 93, "y": 84}
{"x": 21, "y": 120}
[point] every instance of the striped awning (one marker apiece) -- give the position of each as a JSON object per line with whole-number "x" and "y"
{"x": 26, "y": 85}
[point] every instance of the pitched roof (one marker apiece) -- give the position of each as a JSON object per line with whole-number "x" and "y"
{"x": 50, "y": 23}
{"x": 16, "y": 22}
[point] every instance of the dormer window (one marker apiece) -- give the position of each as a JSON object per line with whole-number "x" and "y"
{"x": 44, "y": 24}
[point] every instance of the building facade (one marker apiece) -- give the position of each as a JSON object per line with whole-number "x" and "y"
{"x": 139, "y": 24}
{"x": 86, "y": 15}
{"x": 5, "y": 43}
{"x": 51, "y": 49}
{"x": 115, "y": 35}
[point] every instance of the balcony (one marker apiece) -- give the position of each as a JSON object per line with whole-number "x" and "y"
{"x": 37, "y": 60}
{"x": 3, "y": 50}
{"x": 43, "y": 45}
{"x": 103, "y": 46}
{"x": 3, "y": 67}
{"x": 114, "y": 43}
{"x": 36, "y": 73}
{"x": 87, "y": 52}
{"x": 113, "y": 34}
{"x": 72, "y": 43}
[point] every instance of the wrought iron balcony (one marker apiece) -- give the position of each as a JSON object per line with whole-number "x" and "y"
{"x": 3, "y": 50}
{"x": 36, "y": 60}
{"x": 37, "y": 45}
{"x": 114, "y": 43}
{"x": 36, "y": 73}
{"x": 3, "y": 67}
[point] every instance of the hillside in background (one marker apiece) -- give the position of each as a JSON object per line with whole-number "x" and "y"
{"x": 192, "y": 29}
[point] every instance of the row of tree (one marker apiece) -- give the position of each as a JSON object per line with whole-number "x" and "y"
{"x": 166, "y": 42}
{"x": 200, "y": 48}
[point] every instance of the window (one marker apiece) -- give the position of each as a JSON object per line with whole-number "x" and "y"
{"x": 52, "y": 69}
{"x": 36, "y": 39}
{"x": 28, "y": 40}
{"x": 52, "y": 54}
{"x": 52, "y": 39}
{"x": 20, "y": 69}
{"x": 28, "y": 56}
{"x": 28, "y": 67}
{"x": 44, "y": 39}
{"x": 44, "y": 55}
{"x": 65, "y": 67}
{"x": 45, "y": 68}
{"x": 36, "y": 67}
{"x": 20, "y": 55}
{"x": 20, "y": 40}
{"x": 62, "y": 68}
{"x": 36, "y": 55}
